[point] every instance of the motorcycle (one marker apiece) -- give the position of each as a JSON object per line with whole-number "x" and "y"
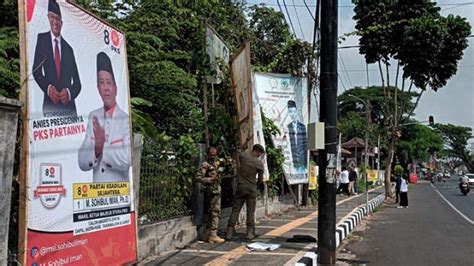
{"x": 464, "y": 188}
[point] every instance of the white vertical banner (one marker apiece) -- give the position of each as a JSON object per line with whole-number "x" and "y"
{"x": 284, "y": 99}
{"x": 258, "y": 137}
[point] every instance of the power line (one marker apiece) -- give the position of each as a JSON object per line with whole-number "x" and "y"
{"x": 347, "y": 75}
{"x": 458, "y": 5}
{"x": 309, "y": 10}
{"x": 352, "y": 6}
{"x": 298, "y": 19}
{"x": 289, "y": 18}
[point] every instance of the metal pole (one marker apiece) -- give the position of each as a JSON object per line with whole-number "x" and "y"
{"x": 378, "y": 157}
{"x": 366, "y": 162}
{"x": 328, "y": 115}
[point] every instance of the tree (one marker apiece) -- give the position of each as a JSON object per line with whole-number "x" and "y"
{"x": 425, "y": 46}
{"x": 9, "y": 50}
{"x": 417, "y": 142}
{"x": 455, "y": 139}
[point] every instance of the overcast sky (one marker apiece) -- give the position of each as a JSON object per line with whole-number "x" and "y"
{"x": 452, "y": 104}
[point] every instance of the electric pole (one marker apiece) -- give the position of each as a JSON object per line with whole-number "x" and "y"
{"x": 328, "y": 115}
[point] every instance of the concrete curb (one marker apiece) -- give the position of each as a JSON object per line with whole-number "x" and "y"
{"x": 344, "y": 229}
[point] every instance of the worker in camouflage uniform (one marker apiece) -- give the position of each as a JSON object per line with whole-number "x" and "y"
{"x": 208, "y": 176}
{"x": 250, "y": 166}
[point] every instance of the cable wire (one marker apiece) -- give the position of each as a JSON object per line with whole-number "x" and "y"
{"x": 309, "y": 10}
{"x": 289, "y": 18}
{"x": 298, "y": 19}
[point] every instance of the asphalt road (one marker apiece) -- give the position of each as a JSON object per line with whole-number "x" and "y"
{"x": 450, "y": 190}
{"x": 429, "y": 232}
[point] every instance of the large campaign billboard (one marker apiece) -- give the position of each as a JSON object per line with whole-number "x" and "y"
{"x": 284, "y": 100}
{"x": 241, "y": 81}
{"x": 79, "y": 201}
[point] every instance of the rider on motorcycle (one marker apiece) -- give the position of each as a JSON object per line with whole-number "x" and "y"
{"x": 463, "y": 179}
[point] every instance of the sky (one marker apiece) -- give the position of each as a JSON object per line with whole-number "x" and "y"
{"x": 453, "y": 103}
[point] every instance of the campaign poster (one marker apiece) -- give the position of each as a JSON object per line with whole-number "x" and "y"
{"x": 258, "y": 137}
{"x": 284, "y": 99}
{"x": 80, "y": 207}
{"x": 216, "y": 49}
{"x": 241, "y": 81}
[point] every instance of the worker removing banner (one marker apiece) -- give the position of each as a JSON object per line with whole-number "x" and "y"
{"x": 79, "y": 201}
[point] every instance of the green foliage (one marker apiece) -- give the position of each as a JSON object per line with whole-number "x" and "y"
{"x": 275, "y": 157}
{"x": 417, "y": 142}
{"x": 455, "y": 140}
{"x": 427, "y": 45}
{"x": 9, "y": 62}
{"x": 398, "y": 170}
{"x": 142, "y": 122}
{"x": 168, "y": 170}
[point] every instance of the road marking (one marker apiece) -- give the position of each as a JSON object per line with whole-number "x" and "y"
{"x": 452, "y": 206}
{"x": 225, "y": 252}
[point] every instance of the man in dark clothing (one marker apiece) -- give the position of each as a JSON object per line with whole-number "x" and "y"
{"x": 249, "y": 167}
{"x": 398, "y": 181}
{"x": 352, "y": 181}
{"x": 55, "y": 69}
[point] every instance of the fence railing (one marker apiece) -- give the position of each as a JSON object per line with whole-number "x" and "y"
{"x": 166, "y": 183}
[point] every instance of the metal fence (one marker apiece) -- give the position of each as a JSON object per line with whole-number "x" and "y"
{"x": 166, "y": 184}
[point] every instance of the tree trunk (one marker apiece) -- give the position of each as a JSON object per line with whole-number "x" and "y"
{"x": 388, "y": 170}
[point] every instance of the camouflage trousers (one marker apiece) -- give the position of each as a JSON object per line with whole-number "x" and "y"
{"x": 212, "y": 208}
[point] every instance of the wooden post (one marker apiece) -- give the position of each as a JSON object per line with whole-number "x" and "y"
{"x": 23, "y": 173}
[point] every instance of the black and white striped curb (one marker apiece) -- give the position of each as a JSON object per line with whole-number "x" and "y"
{"x": 344, "y": 229}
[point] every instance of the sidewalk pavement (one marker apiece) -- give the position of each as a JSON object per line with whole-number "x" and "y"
{"x": 274, "y": 230}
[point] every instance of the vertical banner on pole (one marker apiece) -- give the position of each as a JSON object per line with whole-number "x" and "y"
{"x": 241, "y": 81}
{"x": 79, "y": 201}
{"x": 258, "y": 137}
{"x": 284, "y": 100}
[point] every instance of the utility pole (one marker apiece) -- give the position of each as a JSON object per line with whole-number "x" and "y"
{"x": 328, "y": 115}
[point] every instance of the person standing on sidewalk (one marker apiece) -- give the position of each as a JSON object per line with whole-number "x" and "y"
{"x": 403, "y": 192}
{"x": 352, "y": 181}
{"x": 208, "y": 176}
{"x": 344, "y": 185}
{"x": 249, "y": 167}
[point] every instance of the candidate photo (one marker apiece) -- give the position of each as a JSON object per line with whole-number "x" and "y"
{"x": 106, "y": 149}
{"x": 54, "y": 68}
{"x": 298, "y": 141}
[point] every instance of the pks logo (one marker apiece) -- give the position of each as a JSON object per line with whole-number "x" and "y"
{"x": 34, "y": 252}
{"x": 112, "y": 37}
{"x": 50, "y": 188}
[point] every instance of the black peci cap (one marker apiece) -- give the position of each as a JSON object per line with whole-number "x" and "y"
{"x": 104, "y": 63}
{"x": 291, "y": 103}
{"x": 54, "y": 7}
{"x": 259, "y": 148}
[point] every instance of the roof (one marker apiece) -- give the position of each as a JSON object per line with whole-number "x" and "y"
{"x": 355, "y": 143}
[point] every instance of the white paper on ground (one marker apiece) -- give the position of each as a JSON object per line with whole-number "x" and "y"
{"x": 263, "y": 246}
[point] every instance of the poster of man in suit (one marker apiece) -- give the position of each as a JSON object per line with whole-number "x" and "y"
{"x": 298, "y": 139}
{"x": 79, "y": 181}
{"x": 55, "y": 68}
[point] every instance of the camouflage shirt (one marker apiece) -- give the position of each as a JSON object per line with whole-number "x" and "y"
{"x": 207, "y": 171}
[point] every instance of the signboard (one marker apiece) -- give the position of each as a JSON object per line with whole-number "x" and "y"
{"x": 79, "y": 205}
{"x": 241, "y": 81}
{"x": 215, "y": 49}
{"x": 313, "y": 177}
{"x": 258, "y": 137}
{"x": 372, "y": 175}
{"x": 284, "y": 99}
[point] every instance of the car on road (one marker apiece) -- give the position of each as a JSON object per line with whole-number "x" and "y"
{"x": 471, "y": 179}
